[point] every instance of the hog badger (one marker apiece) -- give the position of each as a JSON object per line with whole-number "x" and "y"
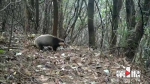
{"x": 48, "y": 40}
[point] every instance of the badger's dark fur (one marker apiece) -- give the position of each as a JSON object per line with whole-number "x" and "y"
{"x": 48, "y": 40}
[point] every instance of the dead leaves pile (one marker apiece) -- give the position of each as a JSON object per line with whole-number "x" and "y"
{"x": 75, "y": 65}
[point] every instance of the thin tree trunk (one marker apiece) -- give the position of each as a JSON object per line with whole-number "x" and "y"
{"x": 27, "y": 15}
{"x": 43, "y": 24}
{"x": 61, "y": 19}
{"x": 77, "y": 14}
{"x": 55, "y": 17}
{"x": 37, "y": 16}
{"x": 32, "y": 3}
{"x": 12, "y": 25}
{"x": 102, "y": 26}
{"x": 117, "y": 4}
{"x": 130, "y": 11}
{"x": 90, "y": 23}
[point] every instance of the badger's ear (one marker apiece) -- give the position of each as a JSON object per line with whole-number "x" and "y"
{"x": 61, "y": 43}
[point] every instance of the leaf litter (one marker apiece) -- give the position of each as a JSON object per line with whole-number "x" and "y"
{"x": 74, "y": 65}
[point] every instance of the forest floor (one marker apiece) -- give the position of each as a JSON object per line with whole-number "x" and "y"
{"x": 71, "y": 65}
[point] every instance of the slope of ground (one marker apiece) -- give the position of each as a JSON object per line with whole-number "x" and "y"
{"x": 72, "y": 65}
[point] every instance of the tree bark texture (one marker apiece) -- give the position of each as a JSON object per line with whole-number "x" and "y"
{"x": 55, "y": 3}
{"x": 27, "y": 17}
{"x": 37, "y": 16}
{"x": 135, "y": 37}
{"x": 44, "y": 19}
{"x": 61, "y": 19}
{"x": 130, "y": 11}
{"x": 90, "y": 23}
{"x": 117, "y": 4}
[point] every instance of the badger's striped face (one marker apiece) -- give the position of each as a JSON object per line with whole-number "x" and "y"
{"x": 61, "y": 43}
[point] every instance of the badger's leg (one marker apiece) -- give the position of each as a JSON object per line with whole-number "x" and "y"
{"x": 50, "y": 48}
{"x": 41, "y": 47}
{"x": 55, "y": 48}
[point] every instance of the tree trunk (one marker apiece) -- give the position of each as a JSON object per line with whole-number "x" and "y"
{"x": 135, "y": 37}
{"x": 32, "y": 3}
{"x": 130, "y": 11}
{"x": 44, "y": 19}
{"x": 37, "y": 16}
{"x": 61, "y": 19}
{"x": 55, "y": 17}
{"x": 3, "y": 25}
{"x": 2, "y": 18}
{"x": 117, "y": 4}
{"x": 90, "y": 23}
{"x": 27, "y": 16}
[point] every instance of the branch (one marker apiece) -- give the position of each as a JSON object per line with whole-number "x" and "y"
{"x": 9, "y": 5}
